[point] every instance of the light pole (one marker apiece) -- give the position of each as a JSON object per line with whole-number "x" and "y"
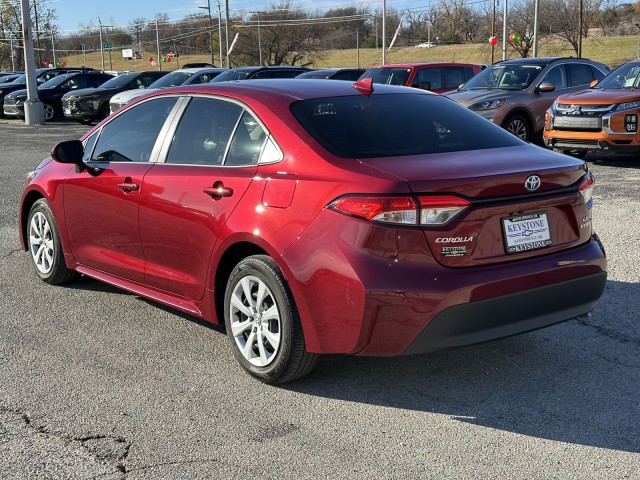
{"x": 208, "y": 9}
{"x": 219, "y": 31}
{"x": 33, "y": 108}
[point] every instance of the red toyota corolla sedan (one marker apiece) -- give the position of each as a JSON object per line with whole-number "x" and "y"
{"x": 320, "y": 217}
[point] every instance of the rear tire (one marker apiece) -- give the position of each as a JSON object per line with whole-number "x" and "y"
{"x": 263, "y": 324}
{"x": 49, "y": 112}
{"x": 44, "y": 245}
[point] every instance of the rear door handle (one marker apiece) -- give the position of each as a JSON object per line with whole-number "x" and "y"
{"x": 218, "y": 190}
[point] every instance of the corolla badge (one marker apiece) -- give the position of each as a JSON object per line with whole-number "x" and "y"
{"x": 532, "y": 183}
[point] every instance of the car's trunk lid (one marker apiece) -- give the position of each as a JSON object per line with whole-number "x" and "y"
{"x": 505, "y": 220}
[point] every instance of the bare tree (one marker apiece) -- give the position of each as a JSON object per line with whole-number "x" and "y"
{"x": 286, "y": 36}
{"x": 11, "y": 28}
{"x": 563, "y": 19}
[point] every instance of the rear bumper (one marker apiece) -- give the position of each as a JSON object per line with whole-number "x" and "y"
{"x": 364, "y": 300}
{"x": 509, "y": 315}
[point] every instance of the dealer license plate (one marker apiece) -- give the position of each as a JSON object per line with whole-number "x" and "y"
{"x": 67, "y": 111}
{"x": 526, "y": 232}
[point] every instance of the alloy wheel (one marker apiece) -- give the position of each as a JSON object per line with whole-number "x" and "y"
{"x": 255, "y": 321}
{"x": 41, "y": 243}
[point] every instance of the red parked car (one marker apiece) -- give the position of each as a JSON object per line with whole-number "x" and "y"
{"x": 438, "y": 77}
{"x": 314, "y": 217}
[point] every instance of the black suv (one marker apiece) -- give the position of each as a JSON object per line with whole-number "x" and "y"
{"x": 254, "y": 73}
{"x": 42, "y": 75}
{"x": 91, "y": 104}
{"x": 50, "y": 93}
{"x": 351, "y": 74}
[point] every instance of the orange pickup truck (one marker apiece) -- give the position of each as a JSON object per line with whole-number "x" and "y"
{"x": 604, "y": 117}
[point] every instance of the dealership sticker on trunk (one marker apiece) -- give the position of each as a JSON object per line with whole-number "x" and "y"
{"x": 526, "y": 232}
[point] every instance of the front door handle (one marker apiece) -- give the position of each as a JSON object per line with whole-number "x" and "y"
{"x": 128, "y": 186}
{"x": 218, "y": 190}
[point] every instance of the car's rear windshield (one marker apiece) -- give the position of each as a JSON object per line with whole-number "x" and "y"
{"x": 172, "y": 79}
{"x": 231, "y": 75}
{"x": 119, "y": 81}
{"x": 388, "y": 75}
{"x": 504, "y": 77}
{"x": 391, "y": 125}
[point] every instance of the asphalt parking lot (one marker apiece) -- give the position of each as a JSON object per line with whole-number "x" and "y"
{"x": 98, "y": 383}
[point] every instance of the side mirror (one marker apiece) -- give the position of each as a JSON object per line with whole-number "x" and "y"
{"x": 546, "y": 87}
{"x": 71, "y": 152}
{"x": 594, "y": 83}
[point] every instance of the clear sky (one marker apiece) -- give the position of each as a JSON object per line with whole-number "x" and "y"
{"x": 72, "y": 14}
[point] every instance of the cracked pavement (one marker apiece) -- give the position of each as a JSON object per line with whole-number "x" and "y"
{"x": 98, "y": 383}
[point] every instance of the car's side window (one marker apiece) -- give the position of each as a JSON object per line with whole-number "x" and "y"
{"x": 203, "y": 134}
{"x": 429, "y": 79}
{"x": 556, "y": 76}
{"x": 246, "y": 143}
{"x": 597, "y": 74}
{"x": 131, "y": 136}
{"x": 89, "y": 143}
{"x": 454, "y": 77}
{"x": 580, "y": 74}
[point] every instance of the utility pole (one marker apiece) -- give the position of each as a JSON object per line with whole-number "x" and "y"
{"x": 158, "y": 46}
{"x": 33, "y": 108}
{"x": 535, "y": 28}
{"x": 259, "y": 39}
{"x": 580, "y": 30}
{"x": 208, "y": 9}
{"x": 504, "y": 32}
{"x": 384, "y": 32}
{"x": 219, "y": 31}
{"x": 226, "y": 6}
{"x": 13, "y": 63}
{"x": 35, "y": 10}
{"x": 53, "y": 49}
{"x": 493, "y": 28}
{"x": 109, "y": 47}
{"x": 358, "y": 48}
{"x": 101, "y": 44}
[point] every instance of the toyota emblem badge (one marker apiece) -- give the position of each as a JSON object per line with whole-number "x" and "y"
{"x": 532, "y": 183}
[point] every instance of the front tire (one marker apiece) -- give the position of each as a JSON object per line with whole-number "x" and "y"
{"x": 519, "y": 126}
{"x": 263, "y": 324}
{"x": 44, "y": 246}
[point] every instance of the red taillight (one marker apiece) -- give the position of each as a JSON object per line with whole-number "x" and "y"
{"x": 586, "y": 189}
{"x": 431, "y": 210}
{"x": 402, "y": 210}
{"x": 440, "y": 209}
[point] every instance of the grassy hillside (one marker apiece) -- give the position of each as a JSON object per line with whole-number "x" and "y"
{"x": 610, "y": 50}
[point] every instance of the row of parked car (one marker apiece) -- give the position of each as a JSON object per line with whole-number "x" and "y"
{"x": 543, "y": 98}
